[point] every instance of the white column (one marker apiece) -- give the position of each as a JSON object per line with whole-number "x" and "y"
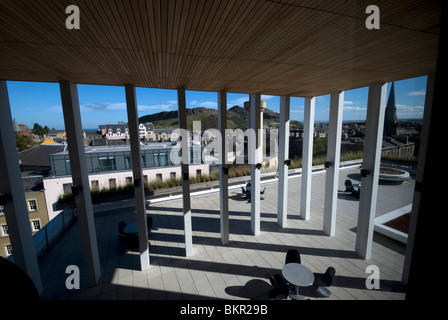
{"x": 283, "y": 155}
{"x": 81, "y": 187}
{"x": 376, "y": 106}
{"x": 332, "y": 163}
{"x": 422, "y": 153}
{"x": 139, "y": 186}
{"x": 13, "y": 196}
{"x": 255, "y": 162}
{"x": 185, "y": 172}
{"x": 223, "y": 169}
{"x": 307, "y": 158}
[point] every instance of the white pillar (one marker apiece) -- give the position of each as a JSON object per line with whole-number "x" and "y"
{"x": 81, "y": 187}
{"x": 332, "y": 163}
{"x": 255, "y": 162}
{"x": 139, "y": 186}
{"x": 223, "y": 169}
{"x": 307, "y": 158}
{"x": 13, "y": 196}
{"x": 283, "y": 155}
{"x": 424, "y": 138}
{"x": 185, "y": 172}
{"x": 376, "y": 106}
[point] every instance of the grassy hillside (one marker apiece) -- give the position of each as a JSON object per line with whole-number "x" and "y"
{"x": 236, "y": 118}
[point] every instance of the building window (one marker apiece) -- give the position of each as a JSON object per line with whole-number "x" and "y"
{"x": 198, "y": 173}
{"x": 127, "y": 162}
{"x": 67, "y": 187}
{"x": 4, "y": 230}
{"x": 112, "y": 183}
{"x": 35, "y": 224}
{"x": 32, "y": 205}
{"x": 8, "y": 248}
{"x": 159, "y": 177}
{"x": 128, "y": 180}
{"x": 173, "y": 175}
{"x": 145, "y": 178}
{"x": 95, "y": 184}
{"x": 107, "y": 163}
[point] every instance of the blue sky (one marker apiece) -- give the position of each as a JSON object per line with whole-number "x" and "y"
{"x": 33, "y": 102}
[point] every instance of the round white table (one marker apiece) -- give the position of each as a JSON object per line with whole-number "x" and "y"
{"x": 297, "y": 275}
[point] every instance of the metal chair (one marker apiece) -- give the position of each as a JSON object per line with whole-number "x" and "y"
{"x": 149, "y": 224}
{"x": 121, "y": 226}
{"x": 280, "y": 285}
{"x": 293, "y": 256}
{"x": 323, "y": 280}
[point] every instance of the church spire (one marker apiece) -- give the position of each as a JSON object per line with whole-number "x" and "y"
{"x": 390, "y": 118}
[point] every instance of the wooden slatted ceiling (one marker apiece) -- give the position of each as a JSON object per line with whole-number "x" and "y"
{"x": 302, "y": 48}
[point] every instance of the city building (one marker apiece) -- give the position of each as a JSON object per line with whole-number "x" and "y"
{"x": 36, "y": 208}
{"x": 111, "y": 166}
{"x": 119, "y": 133}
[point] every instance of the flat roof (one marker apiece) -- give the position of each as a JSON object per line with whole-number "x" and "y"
{"x": 301, "y": 48}
{"x": 122, "y": 148}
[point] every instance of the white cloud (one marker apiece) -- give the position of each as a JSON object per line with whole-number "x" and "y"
{"x": 157, "y": 107}
{"x": 355, "y": 108}
{"x": 348, "y": 102}
{"x": 239, "y": 102}
{"x": 208, "y": 104}
{"x": 57, "y": 109}
{"x": 404, "y": 111}
{"x": 417, "y": 93}
{"x": 266, "y": 97}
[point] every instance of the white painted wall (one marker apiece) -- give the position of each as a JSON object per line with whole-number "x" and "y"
{"x": 54, "y": 186}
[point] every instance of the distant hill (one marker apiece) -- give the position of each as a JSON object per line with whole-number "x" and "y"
{"x": 236, "y": 118}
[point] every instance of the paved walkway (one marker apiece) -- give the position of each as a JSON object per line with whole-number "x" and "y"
{"x": 238, "y": 270}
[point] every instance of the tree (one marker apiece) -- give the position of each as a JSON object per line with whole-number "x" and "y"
{"x": 38, "y": 130}
{"x": 24, "y": 142}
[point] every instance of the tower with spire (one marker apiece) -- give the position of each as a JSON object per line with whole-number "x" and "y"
{"x": 390, "y": 118}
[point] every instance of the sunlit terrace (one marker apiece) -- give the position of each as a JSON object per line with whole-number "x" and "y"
{"x": 236, "y": 270}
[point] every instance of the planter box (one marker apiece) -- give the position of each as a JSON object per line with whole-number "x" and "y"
{"x": 380, "y": 222}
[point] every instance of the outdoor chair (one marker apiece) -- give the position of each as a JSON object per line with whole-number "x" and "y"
{"x": 149, "y": 224}
{"x": 348, "y": 186}
{"x": 281, "y": 288}
{"x": 262, "y": 192}
{"x": 322, "y": 281}
{"x": 130, "y": 241}
{"x": 292, "y": 256}
{"x": 121, "y": 226}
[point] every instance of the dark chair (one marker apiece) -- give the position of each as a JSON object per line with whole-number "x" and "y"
{"x": 129, "y": 241}
{"x": 322, "y": 281}
{"x": 292, "y": 256}
{"x": 121, "y": 226}
{"x": 262, "y": 192}
{"x": 348, "y": 186}
{"x": 149, "y": 224}
{"x": 281, "y": 288}
{"x": 243, "y": 190}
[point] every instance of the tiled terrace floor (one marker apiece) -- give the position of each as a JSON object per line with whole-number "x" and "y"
{"x": 238, "y": 270}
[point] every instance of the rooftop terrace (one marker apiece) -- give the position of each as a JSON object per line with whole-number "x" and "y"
{"x": 237, "y": 270}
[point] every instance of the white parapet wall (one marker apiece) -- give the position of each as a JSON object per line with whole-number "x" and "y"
{"x": 54, "y": 186}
